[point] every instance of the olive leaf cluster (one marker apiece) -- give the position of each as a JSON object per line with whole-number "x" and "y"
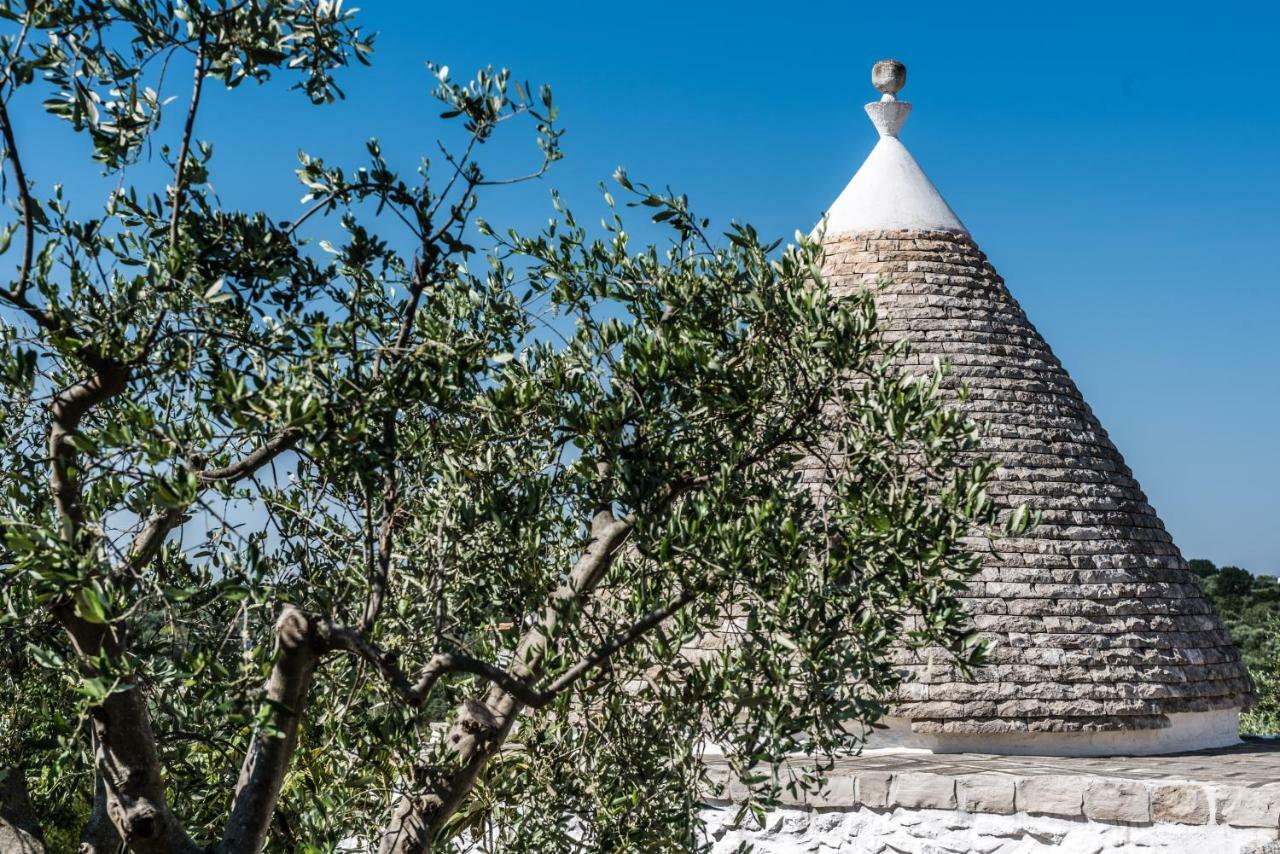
{"x": 385, "y": 527}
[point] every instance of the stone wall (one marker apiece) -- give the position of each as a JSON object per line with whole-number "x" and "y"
{"x": 906, "y": 830}
{"x": 1208, "y": 802}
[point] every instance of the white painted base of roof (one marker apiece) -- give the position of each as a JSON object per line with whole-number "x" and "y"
{"x": 1186, "y": 731}
{"x": 891, "y": 191}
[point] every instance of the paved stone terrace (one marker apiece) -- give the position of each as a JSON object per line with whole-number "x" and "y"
{"x": 1253, "y": 763}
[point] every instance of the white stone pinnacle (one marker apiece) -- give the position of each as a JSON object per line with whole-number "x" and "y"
{"x": 890, "y": 191}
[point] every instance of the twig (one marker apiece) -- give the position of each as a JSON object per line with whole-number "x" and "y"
{"x": 277, "y": 444}
{"x": 18, "y": 294}
{"x": 415, "y": 694}
{"x": 184, "y": 151}
{"x": 617, "y": 642}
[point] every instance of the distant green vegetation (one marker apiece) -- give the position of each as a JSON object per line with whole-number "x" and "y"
{"x": 1250, "y": 606}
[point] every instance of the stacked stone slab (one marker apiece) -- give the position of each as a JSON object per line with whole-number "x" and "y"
{"x": 1095, "y": 622}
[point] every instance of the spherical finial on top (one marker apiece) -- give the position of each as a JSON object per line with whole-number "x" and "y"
{"x": 889, "y": 76}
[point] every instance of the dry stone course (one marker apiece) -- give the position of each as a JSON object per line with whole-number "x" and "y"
{"x": 1221, "y": 801}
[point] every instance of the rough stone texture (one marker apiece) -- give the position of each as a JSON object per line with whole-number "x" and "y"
{"x": 993, "y": 793}
{"x": 1117, "y": 800}
{"x": 1264, "y": 848}
{"x": 838, "y": 792}
{"x": 1249, "y": 807}
{"x": 872, "y": 789}
{"x": 889, "y": 76}
{"x": 1051, "y": 794}
{"x": 1096, "y": 622}
{"x": 1180, "y": 804}
{"x": 925, "y": 831}
{"x": 932, "y": 791}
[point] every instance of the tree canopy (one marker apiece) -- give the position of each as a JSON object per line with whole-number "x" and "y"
{"x": 388, "y": 525}
{"x": 1250, "y": 608}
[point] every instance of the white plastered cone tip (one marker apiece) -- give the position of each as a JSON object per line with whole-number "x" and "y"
{"x": 890, "y": 191}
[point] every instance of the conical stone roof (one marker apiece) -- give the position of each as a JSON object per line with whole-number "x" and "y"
{"x": 1096, "y": 624}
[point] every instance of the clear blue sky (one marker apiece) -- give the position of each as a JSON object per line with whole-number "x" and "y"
{"x": 1118, "y": 162}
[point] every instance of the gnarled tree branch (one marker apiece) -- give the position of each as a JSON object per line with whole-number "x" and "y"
{"x": 20, "y": 832}
{"x": 125, "y": 754}
{"x": 99, "y": 835}
{"x": 146, "y": 544}
{"x": 441, "y": 664}
{"x": 269, "y": 755}
{"x": 251, "y": 462}
{"x": 483, "y": 725}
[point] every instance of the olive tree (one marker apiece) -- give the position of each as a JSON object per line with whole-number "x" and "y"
{"x": 386, "y": 525}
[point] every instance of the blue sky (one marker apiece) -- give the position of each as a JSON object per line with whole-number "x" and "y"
{"x": 1117, "y": 162}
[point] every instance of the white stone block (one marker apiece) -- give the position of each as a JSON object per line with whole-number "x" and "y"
{"x": 1111, "y": 799}
{"x": 989, "y": 793}
{"x": 929, "y": 791}
{"x": 1180, "y": 804}
{"x": 1052, "y": 794}
{"x": 872, "y": 789}
{"x": 1249, "y": 807}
